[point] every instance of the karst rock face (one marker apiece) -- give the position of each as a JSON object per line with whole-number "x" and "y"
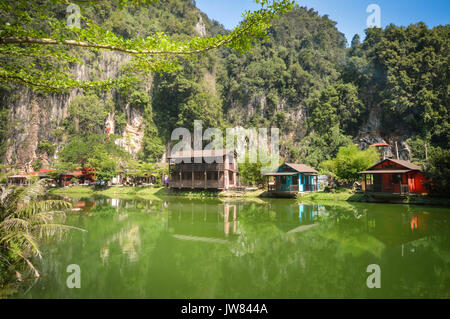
{"x": 37, "y": 117}
{"x": 278, "y": 84}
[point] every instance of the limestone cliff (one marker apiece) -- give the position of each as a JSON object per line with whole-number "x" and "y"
{"x": 36, "y": 118}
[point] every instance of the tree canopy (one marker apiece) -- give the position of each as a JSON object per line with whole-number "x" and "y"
{"x": 38, "y": 48}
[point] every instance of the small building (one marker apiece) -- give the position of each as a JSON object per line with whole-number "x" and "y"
{"x": 395, "y": 177}
{"x": 66, "y": 179}
{"x": 203, "y": 169}
{"x": 18, "y": 180}
{"x": 83, "y": 176}
{"x": 291, "y": 179}
{"x": 45, "y": 173}
{"x": 383, "y": 149}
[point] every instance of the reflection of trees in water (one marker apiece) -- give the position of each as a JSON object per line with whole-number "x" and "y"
{"x": 261, "y": 256}
{"x": 417, "y": 253}
{"x": 114, "y": 254}
{"x": 330, "y": 259}
{"x": 276, "y": 264}
{"x": 128, "y": 240}
{"x": 202, "y": 220}
{"x": 267, "y": 260}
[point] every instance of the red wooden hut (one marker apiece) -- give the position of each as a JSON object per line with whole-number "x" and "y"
{"x": 395, "y": 177}
{"x": 86, "y": 175}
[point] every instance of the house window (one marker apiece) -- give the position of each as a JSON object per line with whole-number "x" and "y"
{"x": 230, "y": 177}
{"x": 395, "y": 179}
{"x": 199, "y": 176}
{"x": 211, "y": 176}
{"x": 283, "y": 179}
{"x": 295, "y": 180}
{"x": 186, "y": 176}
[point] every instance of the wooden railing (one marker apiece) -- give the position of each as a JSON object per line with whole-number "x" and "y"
{"x": 201, "y": 167}
{"x": 388, "y": 188}
{"x": 196, "y": 184}
{"x": 291, "y": 188}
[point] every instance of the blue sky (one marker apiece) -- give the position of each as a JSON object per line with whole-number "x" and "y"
{"x": 350, "y": 15}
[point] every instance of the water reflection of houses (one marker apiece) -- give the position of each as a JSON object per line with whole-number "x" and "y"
{"x": 205, "y": 222}
{"x": 217, "y": 223}
{"x": 296, "y": 218}
{"x": 397, "y": 229}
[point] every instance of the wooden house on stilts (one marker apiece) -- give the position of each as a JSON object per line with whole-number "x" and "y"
{"x": 393, "y": 178}
{"x": 290, "y": 179}
{"x": 203, "y": 169}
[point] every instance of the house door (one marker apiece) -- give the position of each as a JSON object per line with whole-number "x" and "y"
{"x": 377, "y": 183}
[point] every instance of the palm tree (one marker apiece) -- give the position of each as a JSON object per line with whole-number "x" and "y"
{"x": 25, "y": 218}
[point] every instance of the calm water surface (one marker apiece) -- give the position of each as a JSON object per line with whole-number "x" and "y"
{"x": 180, "y": 248}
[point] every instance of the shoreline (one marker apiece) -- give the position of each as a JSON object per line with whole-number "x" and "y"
{"x": 146, "y": 191}
{"x": 356, "y": 197}
{"x": 338, "y": 196}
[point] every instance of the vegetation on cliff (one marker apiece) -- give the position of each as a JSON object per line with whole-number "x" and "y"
{"x": 304, "y": 80}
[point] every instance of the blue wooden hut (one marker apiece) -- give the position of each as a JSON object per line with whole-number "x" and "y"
{"x": 290, "y": 179}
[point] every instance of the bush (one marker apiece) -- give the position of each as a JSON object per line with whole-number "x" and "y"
{"x": 349, "y": 161}
{"x": 438, "y": 171}
{"x": 46, "y": 147}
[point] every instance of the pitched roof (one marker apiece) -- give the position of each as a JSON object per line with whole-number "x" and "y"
{"x": 386, "y": 171}
{"x": 403, "y": 163}
{"x": 407, "y": 164}
{"x": 280, "y": 174}
{"x": 301, "y": 168}
{"x": 380, "y": 144}
{"x": 200, "y": 153}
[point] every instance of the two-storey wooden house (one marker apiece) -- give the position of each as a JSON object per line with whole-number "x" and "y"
{"x": 204, "y": 169}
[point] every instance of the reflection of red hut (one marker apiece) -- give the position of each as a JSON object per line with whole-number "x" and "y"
{"x": 394, "y": 229}
{"x": 80, "y": 204}
{"x": 395, "y": 177}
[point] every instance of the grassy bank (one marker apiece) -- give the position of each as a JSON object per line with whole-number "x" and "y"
{"x": 79, "y": 191}
{"x": 107, "y": 191}
{"x": 350, "y": 196}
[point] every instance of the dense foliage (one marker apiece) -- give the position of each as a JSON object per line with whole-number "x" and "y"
{"x": 25, "y": 217}
{"x": 304, "y": 80}
{"x": 38, "y": 47}
{"x": 438, "y": 171}
{"x": 403, "y": 74}
{"x": 349, "y": 161}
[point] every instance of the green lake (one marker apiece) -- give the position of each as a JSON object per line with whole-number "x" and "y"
{"x": 184, "y": 248}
